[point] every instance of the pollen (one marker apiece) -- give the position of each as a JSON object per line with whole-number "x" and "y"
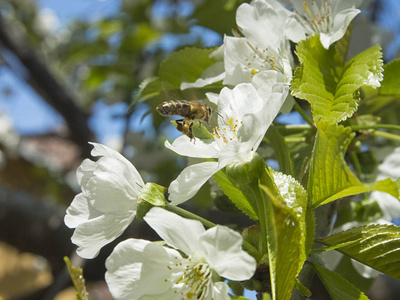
{"x": 315, "y": 18}
{"x": 261, "y": 60}
{"x": 228, "y": 133}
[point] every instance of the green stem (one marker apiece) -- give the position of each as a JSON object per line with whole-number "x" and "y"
{"x": 387, "y": 135}
{"x": 298, "y": 108}
{"x": 356, "y": 163}
{"x": 187, "y": 214}
{"x": 296, "y": 128}
{"x": 376, "y": 126}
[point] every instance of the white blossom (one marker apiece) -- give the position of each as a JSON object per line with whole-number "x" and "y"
{"x": 261, "y": 47}
{"x": 329, "y": 18}
{"x": 243, "y": 119}
{"x": 140, "y": 269}
{"x": 107, "y": 205}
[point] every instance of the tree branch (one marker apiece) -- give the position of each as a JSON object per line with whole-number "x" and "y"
{"x": 47, "y": 86}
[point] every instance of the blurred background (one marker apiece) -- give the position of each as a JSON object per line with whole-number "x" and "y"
{"x": 69, "y": 71}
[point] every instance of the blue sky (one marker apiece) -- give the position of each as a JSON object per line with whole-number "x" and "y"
{"x": 32, "y": 116}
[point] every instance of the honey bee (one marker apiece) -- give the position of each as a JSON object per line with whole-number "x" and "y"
{"x": 192, "y": 111}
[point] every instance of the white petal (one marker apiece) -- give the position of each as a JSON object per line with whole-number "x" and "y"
{"x": 220, "y": 291}
{"x": 177, "y": 232}
{"x": 213, "y": 97}
{"x": 237, "y": 50}
{"x": 273, "y": 94}
{"x": 213, "y": 73}
{"x": 389, "y": 205}
{"x": 92, "y": 235}
{"x": 138, "y": 268}
{"x": 85, "y": 171}
{"x": 79, "y": 212}
{"x": 186, "y": 185}
{"x": 235, "y": 103}
{"x": 101, "y": 150}
{"x": 258, "y": 21}
{"x": 222, "y": 246}
{"x": 201, "y": 148}
{"x": 113, "y": 186}
{"x": 390, "y": 167}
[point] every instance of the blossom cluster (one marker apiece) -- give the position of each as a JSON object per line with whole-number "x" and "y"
{"x": 255, "y": 67}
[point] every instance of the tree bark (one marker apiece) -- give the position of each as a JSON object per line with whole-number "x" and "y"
{"x": 38, "y": 75}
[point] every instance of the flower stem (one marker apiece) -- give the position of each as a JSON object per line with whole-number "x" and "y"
{"x": 298, "y": 108}
{"x": 376, "y": 126}
{"x": 356, "y": 163}
{"x": 184, "y": 213}
{"x": 387, "y": 135}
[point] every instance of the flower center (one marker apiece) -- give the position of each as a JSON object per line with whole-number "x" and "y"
{"x": 228, "y": 132}
{"x": 316, "y": 18}
{"x": 262, "y": 59}
{"x": 194, "y": 279}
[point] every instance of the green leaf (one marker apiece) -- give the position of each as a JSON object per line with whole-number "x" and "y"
{"x": 234, "y": 194}
{"x": 377, "y": 246}
{"x": 218, "y": 15}
{"x": 342, "y": 45}
{"x": 285, "y": 202}
{"x": 303, "y": 290}
{"x": 391, "y": 74}
{"x": 138, "y": 37}
{"x": 330, "y": 178}
{"x": 185, "y": 65}
{"x": 338, "y": 287}
{"x": 331, "y": 90}
{"x": 266, "y": 296}
{"x": 148, "y": 88}
{"x": 76, "y": 275}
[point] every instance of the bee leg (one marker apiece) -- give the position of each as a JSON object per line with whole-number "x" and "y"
{"x": 190, "y": 134}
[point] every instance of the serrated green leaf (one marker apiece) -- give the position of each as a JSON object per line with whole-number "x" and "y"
{"x": 338, "y": 287}
{"x": 391, "y": 76}
{"x": 234, "y": 194}
{"x": 377, "y": 246}
{"x": 76, "y": 275}
{"x": 285, "y": 209}
{"x": 331, "y": 90}
{"x": 330, "y": 178}
{"x": 148, "y": 88}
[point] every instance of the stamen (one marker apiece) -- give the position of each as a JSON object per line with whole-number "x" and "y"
{"x": 316, "y": 18}
{"x": 227, "y": 133}
{"x": 260, "y": 61}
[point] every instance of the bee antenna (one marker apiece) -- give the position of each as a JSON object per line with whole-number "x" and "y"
{"x": 220, "y": 115}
